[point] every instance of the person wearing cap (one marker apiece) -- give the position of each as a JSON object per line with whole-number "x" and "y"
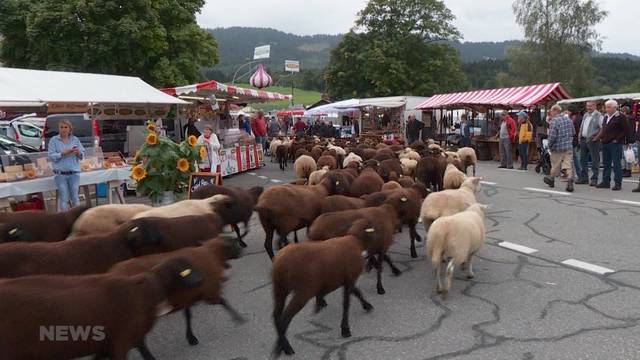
{"x": 525, "y": 136}
{"x": 211, "y": 160}
{"x": 561, "y": 131}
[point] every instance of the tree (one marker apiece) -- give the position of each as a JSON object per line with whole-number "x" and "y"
{"x": 158, "y": 41}
{"x": 390, "y": 52}
{"x": 560, "y": 36}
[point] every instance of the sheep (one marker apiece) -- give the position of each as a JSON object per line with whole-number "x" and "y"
{"x": 451, "y": 156}
{"x": 35, "y": 225}
{"x": 391, "y": 185}
{"x": 186, "y": 207}
{"x": 273, "y": 146}
{"x": 304, "y": 166}
{"x": 368, "y": 154}
{"x": 338, "y": 150}
{"x": 281, "y": 155}
{"x": 209, "y": 258}
{"x": 430, "y": 171}
{"x": 327, "y": 160}
{"x": 316, "y": 177}
{"x": 449, "y": 202}
{"x": 287, "y": 208}
{"x": 390, "y": 169}
{"x": 406, "y": 181}
{"x": 337, "y": 223}
{"x": 115, "y": 311}
{"x": 243, "y": 200}
{"x": 410, "y": 154}
{"x": 453, "y": 178}
{"x": 408, "y": 167}
{"x": 340, "y": 202}
{"x": 315, "y": 269}
{"x": 352, "y": 157}
{"x": 453, "y": 240}
{"x": 300, "y": 152}
{"x": 105, "y": 218}
{"x": 368, "y": 182}
{"x": 316, "y": 152}
{"x": 468, "y": 157}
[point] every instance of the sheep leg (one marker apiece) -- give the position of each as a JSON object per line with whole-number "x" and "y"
{"x": 295, "y": 305}
{"x": 144, "y": 351}
{"x": 192, "y": 339}
{"x": 412, "y": 229}
{"x": 439, "y": 286}
{"x": 320, "y": 304}
{"x": 394, "y": 269}
{"x": 346, "y": 331}
{"x": 365, "y": 304}
{"x": 474, "y": 169}
{"x": 378, "y": 264}
{"x": 268, "y": 241}
{"x": 447, "y": 278}
{"x": 235, "y": 315}
{"x": 282, "y": 241}
{"x": 469, "y": 267}
{"x": 295, "y": 236}
{"x": 236, "y": 228}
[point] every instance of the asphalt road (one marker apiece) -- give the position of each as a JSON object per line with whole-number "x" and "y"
{"x": 523, "y": 304}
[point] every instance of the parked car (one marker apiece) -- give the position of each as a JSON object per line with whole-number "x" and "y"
{"x": 15, "y": 150}
{"x": 84, "y": 128}
{"x": 25, "y": 129}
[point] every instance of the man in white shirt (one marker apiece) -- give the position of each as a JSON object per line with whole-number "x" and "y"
{"x": 591, "y": 125}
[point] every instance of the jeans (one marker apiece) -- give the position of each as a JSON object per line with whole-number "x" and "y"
{"x": 465, "y": 141}
{"x": 68, "y": 186}
{"x": 577, "y": 167}
{"x": 612, "y": 154}
{"x": 523, "y": 149}
{"x": 506, "y": 158}
{"x": 589, "y": 148}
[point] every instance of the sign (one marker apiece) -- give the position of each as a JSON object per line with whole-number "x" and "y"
{"x": 54, "y": 108}
{"x": 262, "y": 52}
{"x": 200, "y": 179}
{"x": 292, "y": 65}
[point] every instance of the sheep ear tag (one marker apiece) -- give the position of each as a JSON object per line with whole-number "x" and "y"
{"x": 337, "y": 183}
{"x": 369, "y": 230}
{"x": 134, "y": 229}
{"x": 13, "y": 231}
{"x": 403, "y": 199}
{"x": 185, "y": 273}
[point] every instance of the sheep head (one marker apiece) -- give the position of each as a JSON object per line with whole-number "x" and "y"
{"x": 365, "y": 231}
{"x": 178, "y": 273}
{"x": 14, "y": 232}
{"x": 142, "y": 232}
{"x": 335, "y": 183}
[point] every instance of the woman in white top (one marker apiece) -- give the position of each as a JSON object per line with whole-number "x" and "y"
{"x": 212, "y": 146}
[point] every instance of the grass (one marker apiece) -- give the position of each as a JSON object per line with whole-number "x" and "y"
{"x": 304, "y": 97}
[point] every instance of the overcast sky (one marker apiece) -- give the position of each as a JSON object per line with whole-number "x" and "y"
{"x": 478, "y": 20}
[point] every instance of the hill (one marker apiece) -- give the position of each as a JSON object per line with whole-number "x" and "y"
{"x": 300, "y": 97}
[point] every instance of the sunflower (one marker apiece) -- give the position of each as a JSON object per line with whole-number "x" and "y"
{"x": 152, "y": 139}
{"x": 192, "y": 140}
{"x": 138, "y": 173}
{"x": 151, "y": 127}
{"x": 203, "y": 152}
{"x": 183, "y": 165}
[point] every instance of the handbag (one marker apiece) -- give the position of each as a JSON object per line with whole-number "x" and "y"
{"x": 629, "y": 155}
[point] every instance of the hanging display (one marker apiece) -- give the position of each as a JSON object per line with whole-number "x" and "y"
{"x": 260, "y": 79}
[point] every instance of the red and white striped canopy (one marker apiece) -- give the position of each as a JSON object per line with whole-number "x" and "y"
{"x": 523, "y": 96}
{"x": 224, "y": 91}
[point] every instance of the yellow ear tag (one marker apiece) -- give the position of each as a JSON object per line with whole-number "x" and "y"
{"x": 185, "y": 273}
{"x": 13, "y": 231}
{"x": 337, "y": 182}
{"x": 403, "y": 199}
{"x": 370, "y": 230}
{"x": 134, "y": 229}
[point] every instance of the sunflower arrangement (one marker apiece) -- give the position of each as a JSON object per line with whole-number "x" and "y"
{"x": 163, "y": 165}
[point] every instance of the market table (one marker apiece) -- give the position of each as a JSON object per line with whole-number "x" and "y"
{"x": 113, "y": 177}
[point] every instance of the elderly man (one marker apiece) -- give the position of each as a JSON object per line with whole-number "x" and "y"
{"x": 414, "y": 128}
{"x": 507, "y": 136}
{"x": 590, "y": 127}
{"x": 561, "y": 133}
{"x": 465, "y": 131}
{"x": 613, "y": 135}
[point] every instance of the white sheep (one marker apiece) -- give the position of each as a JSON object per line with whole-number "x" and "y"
{"x": 105, "y": 218}
{"x": 453, "y": 178}
{"x": 453, "y": 240}
{"x": 339, "y": 151}
{"x": 451, "y": 156}
{"x": 412, "y": 155}
{"x": 272, "y": 148}
{"x": 304, "y": 166}
{"x": 316, "y": 177}
{"x": 408, "y": 166}
{"x": 449, "y": 202}
{"x": 184, "y": 208}
{"x": 351, "y": 158}
{"x": 468, "y": 158}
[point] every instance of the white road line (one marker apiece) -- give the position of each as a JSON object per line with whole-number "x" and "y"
{"x": 548, "y": 191}
{"x": 630, "y": 181}
{"x": 263, "y": 177}
{"x": 252, "y": 173}
{"x": 518, "y": 248}
{"x": 276, "y": 181}
{"x": 627, "y": 202}
{"x": 488, "y": 183}
{"x": 514, "y": 170}
{"x": 586, "y": 266}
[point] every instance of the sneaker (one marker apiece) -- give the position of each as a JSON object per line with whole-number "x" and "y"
{"x": 617, "y": 187}
{"x": 570, "y": 186}
{"x": 549, "y": 181}
{"x": 602, "y": 186}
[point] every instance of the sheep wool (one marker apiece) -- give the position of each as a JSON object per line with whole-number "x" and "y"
{"x": 453, "y": 178}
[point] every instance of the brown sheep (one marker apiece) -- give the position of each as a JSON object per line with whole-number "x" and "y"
{"x": 243, "y": 199}
{"x": 281, "y": 155}
{"x": 116, "y": 311}
{"x": 209, "y": 258}
{"x": 341, "y": 202}
{"x": 327, "y": 160}
{"x": 368, "y": 182}
{"x": 368, "y": 154}
{"x": 337, "y": 223}
{"x": 35, "y": 225}
{"x": 286, "y": 208}
{"x": 316, "y": 152}
{"x": 300, "y": 152}
{"x": 315, "y": 269}
{"x": 406, "y": 181}
{"x": 430, "y": 171}
{"x": 391, "y": 185}
{"x": 390, "y": 169}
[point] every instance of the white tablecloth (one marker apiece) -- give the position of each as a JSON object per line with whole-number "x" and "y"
{"x": 25, "y": 187}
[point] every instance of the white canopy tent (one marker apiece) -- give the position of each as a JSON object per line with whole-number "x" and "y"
{"x": 630, "y": 96}
{"x": 29, "y": 86}
{"x": 333, "y": 108}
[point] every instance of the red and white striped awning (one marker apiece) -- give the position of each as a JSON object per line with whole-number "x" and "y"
{"x": 523, "y": 96}
{"x": 223, "y": 91}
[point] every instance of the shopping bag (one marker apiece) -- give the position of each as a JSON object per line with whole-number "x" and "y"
{"x": 629, "y": 156}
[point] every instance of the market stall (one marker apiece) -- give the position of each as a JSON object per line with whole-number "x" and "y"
{"x": 210, "y": 104}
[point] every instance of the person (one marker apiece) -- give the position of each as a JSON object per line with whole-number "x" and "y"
{"x": 635, "y": 128}
{"x": 190, "y": 129}
{"x": 273, "y": 127}
{"x": 209, "y": 140}
{"x": 561, "y": 133}
{"x": 613, "y": 135}
{"x": 243, "y": 124}
{"x": 65, "y": 151}
{"x": 259, "y": 128}
{"x": 589, "y": 128}
{"x": 507, "y": 135}
{"x": 299, "y": 128}
{"x": 525, "y": 136}
{"x": 465, "y": 131}
{"x": 576, "y": 120}
{"x": 356, "y": 128}
{"x": 627, "y": 166}
{"x": 414, "y": 128}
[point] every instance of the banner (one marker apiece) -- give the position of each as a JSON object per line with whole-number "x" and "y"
{"x": 292, "y": 65}
{"x": 262, "y": 52}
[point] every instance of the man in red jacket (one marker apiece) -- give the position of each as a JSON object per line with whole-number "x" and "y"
{"x": 507, "y": 136}
{"x": 259, "y": 129}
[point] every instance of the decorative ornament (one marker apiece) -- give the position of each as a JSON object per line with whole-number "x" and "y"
{"x": 260, "y": 79}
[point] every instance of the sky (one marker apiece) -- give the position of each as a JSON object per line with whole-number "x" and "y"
{"x": 478, "y": 20}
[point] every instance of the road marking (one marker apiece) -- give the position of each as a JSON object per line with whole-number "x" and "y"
{"x": 263, "y": 177}
{"x": 586, "y": 266}
{"x": 548, "y": 191}
{"x": 515, "y": 170}
{"x": 627, "y": 202}
{"x": 276, "y": 181}
{"x": 630, "y": 181}
{"x": 252, "y": 173}
{"x": 518, "y": 248}
{"x": 488, "y": 183}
